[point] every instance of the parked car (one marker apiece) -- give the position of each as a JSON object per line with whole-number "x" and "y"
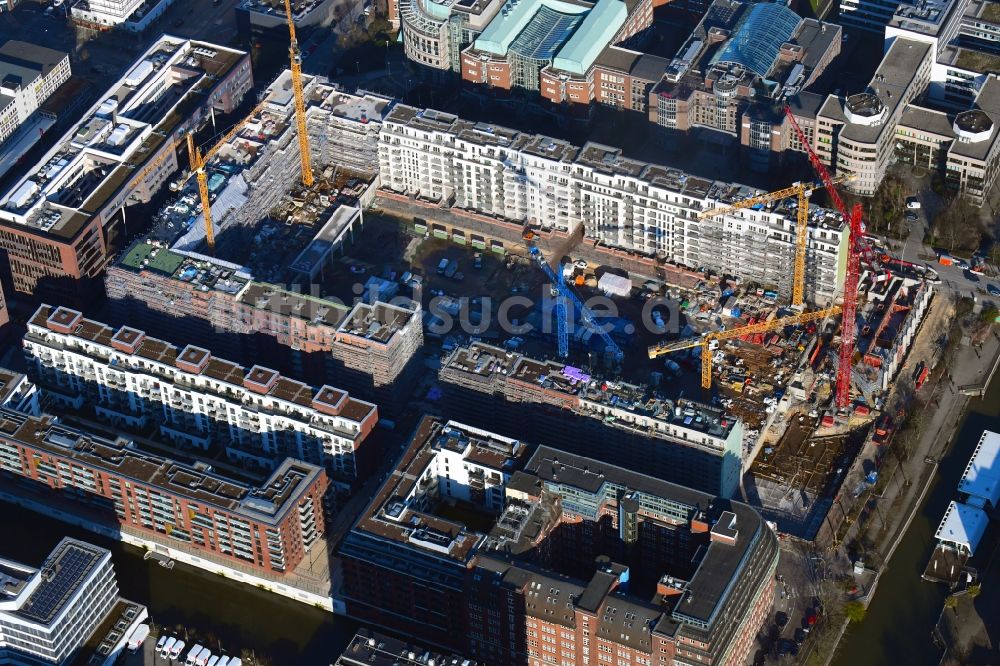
{"x": 781, "y": 618}
{"x": 992, "y": 290}
{"x": 913, "y": 204}
{"x": 911, "y": 216}
{"x": 970, "y": 276}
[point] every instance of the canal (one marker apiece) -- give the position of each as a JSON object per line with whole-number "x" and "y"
{"x": 236, "y": 614}
{"x": 901, "y": 617}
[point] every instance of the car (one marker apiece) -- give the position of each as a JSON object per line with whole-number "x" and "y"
{"x": 912, "y": 204}
{"x": 800, "y": 635}
{"x": 992, "y": 290}
{"x": 911, "y": 216}
{"x": 962, "y": 263}
{"x": 781, "y": 618}
{"x": 970, "y": 276}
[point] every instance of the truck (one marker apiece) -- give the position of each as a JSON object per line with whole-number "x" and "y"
{"x": 946, "y": 259}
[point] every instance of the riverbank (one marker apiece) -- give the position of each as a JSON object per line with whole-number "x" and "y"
{"x": 238, "y": 615}
{"x": 904, "y": 609}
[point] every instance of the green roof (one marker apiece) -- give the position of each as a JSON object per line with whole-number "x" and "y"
{"x": 165, "y": 261}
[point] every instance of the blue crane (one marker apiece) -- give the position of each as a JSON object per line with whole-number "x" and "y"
{"x": 564, "y": 294}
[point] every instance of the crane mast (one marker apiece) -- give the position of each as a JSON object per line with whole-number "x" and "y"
{"x": 856, "y": 247}
{"x": 300, "y": 104}
{"x": 198, "y": 167}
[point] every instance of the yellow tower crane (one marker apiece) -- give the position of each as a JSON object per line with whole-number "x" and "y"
{"x": 706, "y": 342}
{"x": 198, "y": 162}
{"x": 300, "y": 103}
{"x": 801, "y": 190}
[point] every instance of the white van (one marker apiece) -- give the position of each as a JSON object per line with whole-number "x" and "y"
{"x": 165, "y": 650}
{"x": 193, "y": 655}
{"x": 203, "y": 658}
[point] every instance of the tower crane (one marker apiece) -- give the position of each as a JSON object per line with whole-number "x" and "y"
{"x": 198, "y": 162}
{"x": 300, "y": 104}
{"x": 857, "y": 248}
{"x": 708, "y": 341}
{"x": 801, "y": 190}
{"x": 565, "y": 295}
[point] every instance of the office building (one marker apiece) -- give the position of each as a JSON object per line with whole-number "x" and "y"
{"x": 578, "y": 562}
{"x": 370, "y": 648}
{"x": 54, "y": 614}
{"x": 29, "y": 74}
{"x": 568, "y": 52}
{"x": 718, "y": 84}
{"x": 621, "y": 202}
{"x": 61, "y": 221}
{"x": 104, "y": 15}
{"x": 856, "y": 134}
{"x": 267, "y": 527}
{"x": 628, "y": 425}
{"x": 434, "y": 33}
{"x": 266, "y": 17}
{"x": 195, "y": 399}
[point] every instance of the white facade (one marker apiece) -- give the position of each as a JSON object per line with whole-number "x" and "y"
{"x": 196, "y": 407}
{"x": 80, "y": 577}
{"x": 105, "y": 13}
{"x": 623, "y": 203}
{"x": 23, "y": 88}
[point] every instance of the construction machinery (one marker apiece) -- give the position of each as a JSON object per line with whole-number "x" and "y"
{"x": 198, "y": 162}
{"x": 858, "y": 248}
{"x": 801, "y": 190}
{"x": 300, "y": 103}
{"x": 709, "y": 341}
{"x": 564, "y": 296}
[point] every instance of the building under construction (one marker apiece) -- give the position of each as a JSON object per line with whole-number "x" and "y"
{"x": 625, "y": 424}
{"x": 274, "y": 238}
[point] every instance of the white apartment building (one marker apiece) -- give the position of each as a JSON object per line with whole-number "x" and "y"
{"x": 624, "y": 203}
{"x": 47, "y": 614}
{"x": 28, "y": 75}
{"x": 133, "y": 380}
{"x": 104, "y": 14}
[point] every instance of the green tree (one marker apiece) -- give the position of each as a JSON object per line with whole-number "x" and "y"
{"x": 951, "y": 601}
{"x": 974, "y": 590}
{"x": 855, "y": 611}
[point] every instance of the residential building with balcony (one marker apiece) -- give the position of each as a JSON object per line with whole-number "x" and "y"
{"x": 255, "y": 415}
{"x": 621, "y": 202}
{"x": 581, "y": 561}
{"x": 268, "y": 527}
{"x": 29, "y": 74}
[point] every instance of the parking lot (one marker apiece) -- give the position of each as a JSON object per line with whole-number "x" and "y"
{"x": 150, "y": 656}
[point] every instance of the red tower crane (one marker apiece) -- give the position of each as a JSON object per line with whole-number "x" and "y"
{"x": 857, "y": 248}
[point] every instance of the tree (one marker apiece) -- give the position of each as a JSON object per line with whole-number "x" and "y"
{"x": 974, "y": 590}
{"x": 951, "y": 601}
{"x": 989, "y": 315}
{"x": 957, "y": 226}
{"x": 887, "y": 206}
{"x": 855, "y": 611}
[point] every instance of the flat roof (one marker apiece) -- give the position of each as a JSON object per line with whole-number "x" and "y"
{"x": 595, "y": 32}
{"x": 61, "y": 575}
{"x": 981, "y": 478}
{"x": 27, "y": 61}
{"x": 963, "y": 526}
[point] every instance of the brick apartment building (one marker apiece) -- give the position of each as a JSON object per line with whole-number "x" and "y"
{"x": 519, "y": 557}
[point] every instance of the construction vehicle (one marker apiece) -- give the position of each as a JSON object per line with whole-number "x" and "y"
{"x": 300, "y": 103}
{"x": 858, "y": 249}
{"x": 709, "y": 341}
{"x": 564, "y": 296}
{"x": 198, "y": 162}
{"x": 801, "y": 190}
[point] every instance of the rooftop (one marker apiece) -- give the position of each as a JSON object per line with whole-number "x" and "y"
{"x": 378, "y": 322}
{"x": 122, "y": 458}
{"x": 296, "y": 396}
{"x": 981, "y": 479}
{"x": 369, "y": 648}
{"x": 60, "y": 577}
{"x": 26, "y": 61}
{"x": 108, "y": 147}
{"x": 962, "y": 526}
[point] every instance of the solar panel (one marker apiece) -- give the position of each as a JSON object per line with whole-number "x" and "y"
{"x": 60, "y": 578}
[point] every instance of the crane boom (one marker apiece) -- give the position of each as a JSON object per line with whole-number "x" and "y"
{"x": 300, "y": 104}
{"x": 705, "y": 342}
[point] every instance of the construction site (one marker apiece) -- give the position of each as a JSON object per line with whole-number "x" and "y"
{"x": 289, "y": 224}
